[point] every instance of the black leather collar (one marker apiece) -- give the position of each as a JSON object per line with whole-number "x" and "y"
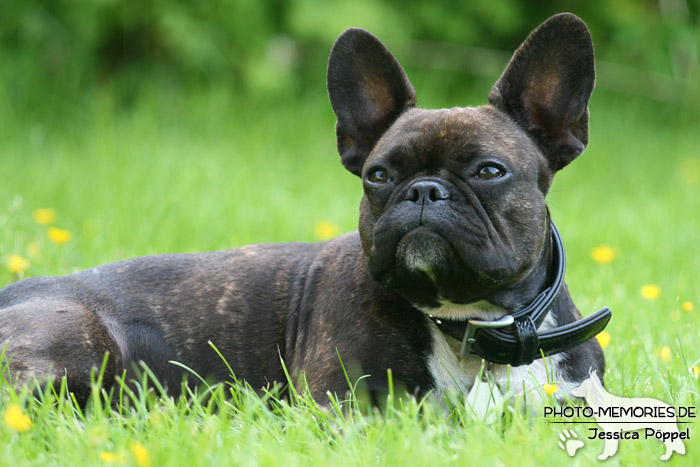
{"x": 514, "y": 339}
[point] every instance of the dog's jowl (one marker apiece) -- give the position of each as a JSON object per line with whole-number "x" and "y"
{"x": 456, "y": 260}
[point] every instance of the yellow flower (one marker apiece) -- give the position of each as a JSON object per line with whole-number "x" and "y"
{"x": 325, "y": 230}
{"x": 665, "y": 354}
{"x": 16, "y": 419}
{"x": 59, "y": 236}
{"x": 44, "y": 216}
{"x": 17, "y": 264}
{"x": 696, "y": 370}
{"x": 112, "y": 458}
{"x": 650, "y": 291}
{"x": 687, "y": 306}
{"x": 140, "y": 453}
{"x": 602, "y": 254}
{"x": 603, "y": 338}
{"x": 550, "y": 389}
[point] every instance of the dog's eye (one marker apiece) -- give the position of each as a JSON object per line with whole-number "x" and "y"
{"x": 489, "y": 172}
{"x": 378, "y": 176}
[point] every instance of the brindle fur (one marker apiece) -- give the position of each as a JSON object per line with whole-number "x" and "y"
{"x": 363, "y": 295}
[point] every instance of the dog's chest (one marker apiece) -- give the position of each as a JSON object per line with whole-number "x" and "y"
{"x": 454, "y": 375}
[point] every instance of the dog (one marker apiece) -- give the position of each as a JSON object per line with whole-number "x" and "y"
{"x": 456, "y": 261}
{"x": 612, "y": 428}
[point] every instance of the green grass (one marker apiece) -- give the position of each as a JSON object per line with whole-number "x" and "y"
{"x": 208, "y": 171}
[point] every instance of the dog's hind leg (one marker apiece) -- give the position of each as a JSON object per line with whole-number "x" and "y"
{"x": 47, "y": 339}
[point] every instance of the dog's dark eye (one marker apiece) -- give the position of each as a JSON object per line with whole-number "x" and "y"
{"x": 489, "y": 172}
{"x": 378, "y": 176}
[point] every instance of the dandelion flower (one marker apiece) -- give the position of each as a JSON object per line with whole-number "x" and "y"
{"x": 602, "y": 254}
{"x": 550, "y": 389}
{"x": 140, "y": 453}
{"x": 17, "y": 264}
{"x": 16, "y": 419}
{"x": 650, "y": 291}
{"x": 325, "y": 230}
{"x": 603, "y": 338}
{"x": 44, "y": 216}
{"x": 108, "y": 457}
{"x": 696, "y": 370}
{"x": 665, "y": 354}
{"x": 113, "y": 458}
{"x": 687, "y": 306}
{"x": 59, "y": 236}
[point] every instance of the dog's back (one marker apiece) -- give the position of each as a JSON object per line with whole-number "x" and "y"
{"x": 158, "y": 309}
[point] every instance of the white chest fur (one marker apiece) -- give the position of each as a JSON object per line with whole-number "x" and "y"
{"x": 454, "y": 374}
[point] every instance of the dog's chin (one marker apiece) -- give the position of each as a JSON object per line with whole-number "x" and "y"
{"x": 428, "y": 269}
{"x": 424, "y": 251}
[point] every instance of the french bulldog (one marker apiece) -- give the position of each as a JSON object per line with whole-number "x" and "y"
{"x": 456, "y": 261}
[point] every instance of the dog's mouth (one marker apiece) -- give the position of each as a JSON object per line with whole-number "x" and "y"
{"x": 429, "y": 265}
{"x": 425, "y": 250}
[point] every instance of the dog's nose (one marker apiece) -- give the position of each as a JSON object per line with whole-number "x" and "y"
{"x": 426, "y": 191}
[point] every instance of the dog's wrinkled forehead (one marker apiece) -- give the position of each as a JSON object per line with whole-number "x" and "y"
{"x": 457, "y": 136}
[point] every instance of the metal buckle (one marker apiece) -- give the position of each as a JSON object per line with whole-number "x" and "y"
{"x": 474, "y": 324}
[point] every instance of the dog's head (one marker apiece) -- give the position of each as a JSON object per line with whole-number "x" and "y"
{"x": 454, "y": 206}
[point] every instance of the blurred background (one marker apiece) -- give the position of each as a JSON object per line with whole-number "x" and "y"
{"x": 56, "y": 54}
{"x": 161, "y": 126}
{"x": 138, "y": 127}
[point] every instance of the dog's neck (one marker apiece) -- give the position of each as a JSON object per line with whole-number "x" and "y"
{"x": 536, "y": 279}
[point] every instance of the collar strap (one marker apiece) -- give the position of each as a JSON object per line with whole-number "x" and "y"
{"x": 514, "y": 339}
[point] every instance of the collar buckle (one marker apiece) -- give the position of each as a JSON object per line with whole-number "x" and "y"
{"x": 474, "y": 324}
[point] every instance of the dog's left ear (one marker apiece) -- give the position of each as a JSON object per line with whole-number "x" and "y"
{"x": 546, "y": 86}
{"x": 368, "y": 90}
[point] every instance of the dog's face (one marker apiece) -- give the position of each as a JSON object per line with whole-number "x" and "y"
{"x": 454, "y": 206}
{"x": 457, "y": 219}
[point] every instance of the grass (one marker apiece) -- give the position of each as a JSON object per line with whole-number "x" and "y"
{"x": 210, "y": 171}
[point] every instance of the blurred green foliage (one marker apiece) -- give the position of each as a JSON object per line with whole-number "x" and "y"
{"x": 53, "y": 51}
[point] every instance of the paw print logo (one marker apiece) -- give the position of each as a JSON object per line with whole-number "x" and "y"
{"x": 569, "y": 442}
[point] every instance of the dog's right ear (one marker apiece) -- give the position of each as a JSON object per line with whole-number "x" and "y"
{"x": 368, "y": 90}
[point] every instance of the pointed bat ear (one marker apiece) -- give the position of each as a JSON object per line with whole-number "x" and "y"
{"x": 546, "y": 86}
{"x": 368, "y": 90}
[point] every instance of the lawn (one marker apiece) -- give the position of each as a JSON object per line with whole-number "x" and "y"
{"x": 207, "y": 170}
